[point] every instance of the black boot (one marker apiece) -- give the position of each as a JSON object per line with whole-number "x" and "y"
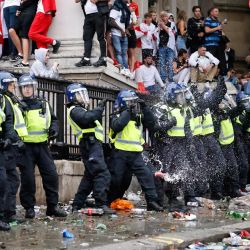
{"x": 100, "y": 62}
{"x": 154, "y": 206}
{"x": 75, "y": 208}
{"x": 236, "y": 194}
{"x": 56, "y": 47}
{"x": 106, "y": 209}
{"x": 216, "y": 196}
{"x": 177, "y": 206}
{"x": 56, "y": 211}
{"x": 30, "y": 213}
{"x": 4, "y": 226}
{"x": 14, "y": 218}
{"x": 83, "y": 63}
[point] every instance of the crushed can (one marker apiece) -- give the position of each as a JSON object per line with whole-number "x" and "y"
{"x": 193, "y": 204}
{"x": 92, "y": 211}
{"x": 138, "y": 211}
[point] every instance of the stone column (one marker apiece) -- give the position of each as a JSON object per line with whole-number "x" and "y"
{"x": 205, "y": 6}
{"x": 68, "y": 22}
{"x": 143, "y": 7}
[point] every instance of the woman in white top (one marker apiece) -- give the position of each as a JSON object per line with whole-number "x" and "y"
{"x": 9, "y": 11}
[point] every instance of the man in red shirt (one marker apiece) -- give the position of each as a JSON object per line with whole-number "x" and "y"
{"x": 46, "y": 10}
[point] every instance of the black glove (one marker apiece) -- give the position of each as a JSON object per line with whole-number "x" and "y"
{"x": 20, "y": 146}
{"x": 172, "y": 121}
{"x": 6, "y": 144}
{"x": 142, "y": 103}
{"x": 53, "y": 134}
{"x": 102, "y": 103}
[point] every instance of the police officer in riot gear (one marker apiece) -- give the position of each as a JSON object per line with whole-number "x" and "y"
{"x": 86, "y": 125}
{"x": 240, "y": 145}
{"x": 224, "y": 130}
{"x": 8, "y": 83}
{"x": 207, "y": 101}
{"x": 8, "y": 175}
{"x": 126, "y": 136}
{"x": 178, "y": 155}
{"x": 42, "y": 126}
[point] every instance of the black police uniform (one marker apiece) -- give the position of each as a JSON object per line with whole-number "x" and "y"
{"x": 40, "y": 155}
{"x": 240, "y": 149}
{"x": 231, "y": 180}
{"x": 213, "y": 161}
{"x": 10, "y": 155}
{"x": 124, "y": 162}
{"x": 8, "y": 175}
{"x": 96, "y": 175}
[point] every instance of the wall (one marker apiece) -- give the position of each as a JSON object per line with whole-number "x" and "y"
{"x": 68, "y": 22}
{"x": 238, "y": 31}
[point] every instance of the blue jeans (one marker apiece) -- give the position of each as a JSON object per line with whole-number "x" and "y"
{"x": 10, "y": 20}
{"x": 166, "y": 57}
{"x": 154, "y": 89}
{"x": 181, "y": 43}
{"x": 121, "y": 48}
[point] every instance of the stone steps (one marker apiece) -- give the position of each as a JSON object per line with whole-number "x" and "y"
{"x": 71, "y": 52}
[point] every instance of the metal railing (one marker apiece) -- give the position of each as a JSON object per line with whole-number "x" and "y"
{"x": 66, "y": 146}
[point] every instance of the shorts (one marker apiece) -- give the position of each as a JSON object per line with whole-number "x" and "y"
{"x": 23, "y": 24}
{"x": 132, "y": 40}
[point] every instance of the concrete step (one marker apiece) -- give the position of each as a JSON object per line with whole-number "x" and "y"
{"x": 71, "y": 52}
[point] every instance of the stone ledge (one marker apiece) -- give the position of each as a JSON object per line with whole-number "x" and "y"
{"x": 177, "y": 240}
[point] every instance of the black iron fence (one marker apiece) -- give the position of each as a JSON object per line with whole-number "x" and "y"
{"x": 66, "y": 146}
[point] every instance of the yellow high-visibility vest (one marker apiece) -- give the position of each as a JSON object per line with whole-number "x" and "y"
{"x": 37, "y": 124}
{"x": 130, "y": 138}
{"x": 78, "y": 132}
{"x": 19, "y": 123}
{"x": 207, "y": 124}
{"x": 226, "y": 136}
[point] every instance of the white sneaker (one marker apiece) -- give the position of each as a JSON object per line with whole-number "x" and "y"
{"x": 127, "y": 72}
{"x": 132, "y": 75}
{"x": 123, "y": 71}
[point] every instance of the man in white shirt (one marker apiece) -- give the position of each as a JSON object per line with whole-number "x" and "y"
{"x": 148, "y": 40}
{"x": 204, "y": 65}
{"x": 149, "y": 75}
{"x": 95, "y": 12}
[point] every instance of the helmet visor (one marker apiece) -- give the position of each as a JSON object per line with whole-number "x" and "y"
{"x": 28, "y": 90}
{"x": 130, "y": 101}
{"x": 246, "y": 103}
{"x": 82, "y": 97}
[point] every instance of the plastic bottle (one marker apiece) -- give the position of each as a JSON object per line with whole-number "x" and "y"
{"x": 92, "y": 211}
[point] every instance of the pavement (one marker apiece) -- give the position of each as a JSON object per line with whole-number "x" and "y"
{"x": 124, "y": 231}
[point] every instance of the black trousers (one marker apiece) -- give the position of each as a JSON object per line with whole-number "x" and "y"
{"x": 176, "y": 162}
{"x": 199, "y": 159}
{"x": 219, "y": 53}
{"x": 37, "y": 154}
{"x": 96, "y": 176}
{"x": 125, "y": 183}
{"x": 3, "y": 182}
{"x": 94, "y": 23}
{"x": 124, "y": 161}
{"x": 242, "y": 160}
{"x": 231, "y": 181}
{"x": 216, "y": 163}
{"x": 12, "y": 181}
